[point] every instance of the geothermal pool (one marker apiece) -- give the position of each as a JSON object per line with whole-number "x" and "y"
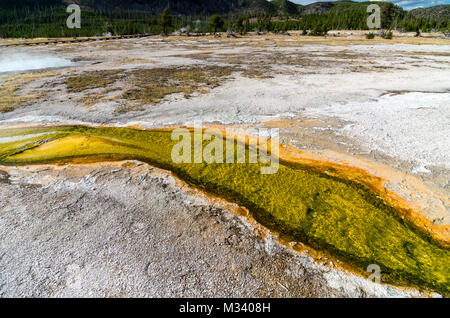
{"x": 20, "y": 61}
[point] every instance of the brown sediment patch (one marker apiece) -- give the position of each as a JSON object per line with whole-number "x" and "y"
{"x": 10, "y": 98}
{"x": 92, "y": 80}
{"x": 196, "y": 56}
{"x": 115, "y": 45}
{"x": 153, "y": 85}
{"x": 95, "y": 98}
{"x": 418, "y": 53}
{"x": 135, "y": 60}
{"x": 4, "y": 176}
{"x": 402, "y": 92}
{"x": 146, "y": 86}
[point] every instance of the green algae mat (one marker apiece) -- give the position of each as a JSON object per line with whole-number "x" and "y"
{"x": 304, "y": 205}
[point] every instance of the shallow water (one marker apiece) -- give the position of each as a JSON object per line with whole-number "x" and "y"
{"x": 20, "y": 62}
{"x": 300, "y": 202}
{"x": 21, "y": 137}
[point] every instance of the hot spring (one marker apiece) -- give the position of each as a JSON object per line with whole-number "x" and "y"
{"x": 20, "y": 61}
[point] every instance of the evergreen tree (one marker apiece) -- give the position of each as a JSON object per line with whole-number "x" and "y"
{"x": 216, "y": 22}
{"x": 166, "y": 20}
{"x": 241, "y": 24}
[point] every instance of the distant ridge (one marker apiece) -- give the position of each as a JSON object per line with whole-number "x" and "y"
{"x": 441, "y": 11}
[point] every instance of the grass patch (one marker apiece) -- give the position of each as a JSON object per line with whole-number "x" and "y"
{"x": 133, "y": 61}
{"x": 446, "y": 54}
{"x": 95, "y": 98}
{"x": 90, "y": 99}
{"x": 91, "y": 80}
{"x": 148, "y": 86}
{"x": 113, "y": 45}
{"x": 196, "y": 56}
{"x": 387, "y": 36}
{"x": 125, "y": 108}
{"x": 153, "y": 85}
{"x": 10, "y": 99}
{"x": 260, "y": 73}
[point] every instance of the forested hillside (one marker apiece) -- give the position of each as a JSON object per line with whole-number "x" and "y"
{"x": 439, "y": 12}
{"x": 47, "y": 18}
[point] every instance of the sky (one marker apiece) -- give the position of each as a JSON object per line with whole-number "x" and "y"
{"x": 406, "y": 4}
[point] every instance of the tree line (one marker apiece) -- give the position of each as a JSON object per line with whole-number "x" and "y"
{"x": 50, "y": 21}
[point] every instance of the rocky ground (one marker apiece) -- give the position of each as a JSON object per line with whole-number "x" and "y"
{"x": 113, "y": 230}
{"x": 129, "y": 230}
